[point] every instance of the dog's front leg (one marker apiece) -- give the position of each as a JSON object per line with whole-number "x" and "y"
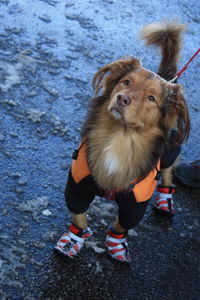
{"x": 116, "y": 243}
{"x": 166, "y": 176}
{"x": 116, "y": 225}
{"x": 80, "y": 220}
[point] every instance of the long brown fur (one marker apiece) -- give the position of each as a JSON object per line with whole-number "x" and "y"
{"x": 126, "y": 129}
{"x": 168, "y": 37}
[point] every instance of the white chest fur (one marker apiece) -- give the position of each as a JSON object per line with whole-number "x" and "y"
{"x": 111, "y": 160}
{"x": 117, "y": 156}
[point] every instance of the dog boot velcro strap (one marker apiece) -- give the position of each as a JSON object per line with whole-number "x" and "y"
{"x": 164, "y": 201}
{"x": 116, "y": 246}
{"x": 72, "y": 242}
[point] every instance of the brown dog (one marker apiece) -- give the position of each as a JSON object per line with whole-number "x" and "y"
{"x": 125, "y": 135}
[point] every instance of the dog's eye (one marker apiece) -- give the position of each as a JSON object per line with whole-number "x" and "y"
{"x": 126, "y": 82}
{"x": 151, "y": 98}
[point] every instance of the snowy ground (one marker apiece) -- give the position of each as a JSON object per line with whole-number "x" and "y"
{"x": 49, "y": 52}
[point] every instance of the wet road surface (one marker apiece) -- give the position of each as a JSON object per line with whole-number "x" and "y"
{"x": 49, "y": 52}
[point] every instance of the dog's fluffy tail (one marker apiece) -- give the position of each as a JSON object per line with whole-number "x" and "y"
{"x": 168, "y": 37}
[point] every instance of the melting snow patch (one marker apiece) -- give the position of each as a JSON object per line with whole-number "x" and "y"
{"x": 104, "y": 209}
{"x": 132, "y": 233}
{"x": 10, "y": 75}
{"x": 35, "y": 206}
{"x": 35, "y": 115}
{"x": 49, "y": 89}
{"x": 103, "y": 222}
{"x": 46, "y": 212}
{"x": 98, "y": 268}
{"x": 94, "y": 246}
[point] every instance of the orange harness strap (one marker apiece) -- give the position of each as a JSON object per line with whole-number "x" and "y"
{"x": 80, "y": 167}
{"x": 142, "y": 189}
{"x": 145, "y": 188}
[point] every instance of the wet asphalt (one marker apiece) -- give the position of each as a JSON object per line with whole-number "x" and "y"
{"x": 49, "y": 52}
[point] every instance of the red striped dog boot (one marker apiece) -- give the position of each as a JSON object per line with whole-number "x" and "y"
{"x": 72, "y": 242}
{"x": 164, "y": 202}
{"x": 116, "y": 246}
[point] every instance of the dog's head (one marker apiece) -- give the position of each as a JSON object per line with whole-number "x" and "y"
{"x": 141, "y": 99}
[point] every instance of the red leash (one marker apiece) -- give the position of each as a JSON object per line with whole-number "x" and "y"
{"x": 185, "y": 67}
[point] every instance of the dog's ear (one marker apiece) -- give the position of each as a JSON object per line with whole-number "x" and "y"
{"x": 175, "y": 113}
{"x": 117, "y": 70}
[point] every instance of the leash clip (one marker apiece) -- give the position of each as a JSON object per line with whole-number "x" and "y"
{"x": 173, "y": 79}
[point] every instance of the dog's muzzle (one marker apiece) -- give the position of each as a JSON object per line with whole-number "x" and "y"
{"x": 123, "y": 100}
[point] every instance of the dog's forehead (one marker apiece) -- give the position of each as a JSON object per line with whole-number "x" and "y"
{"x": 147, "y": 79}
{"x": 143, "y": 74}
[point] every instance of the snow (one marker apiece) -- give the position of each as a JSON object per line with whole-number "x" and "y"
{"x": 46, "y": 212}
{"x": 93, "y": 245}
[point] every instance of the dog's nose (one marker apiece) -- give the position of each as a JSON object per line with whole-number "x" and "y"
{"x": 123, "y": 100}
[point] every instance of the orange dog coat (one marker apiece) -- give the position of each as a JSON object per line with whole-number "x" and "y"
{"x": 142, "y": 188}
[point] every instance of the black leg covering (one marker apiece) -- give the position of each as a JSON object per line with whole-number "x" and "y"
{"x": 130, "y": 212}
